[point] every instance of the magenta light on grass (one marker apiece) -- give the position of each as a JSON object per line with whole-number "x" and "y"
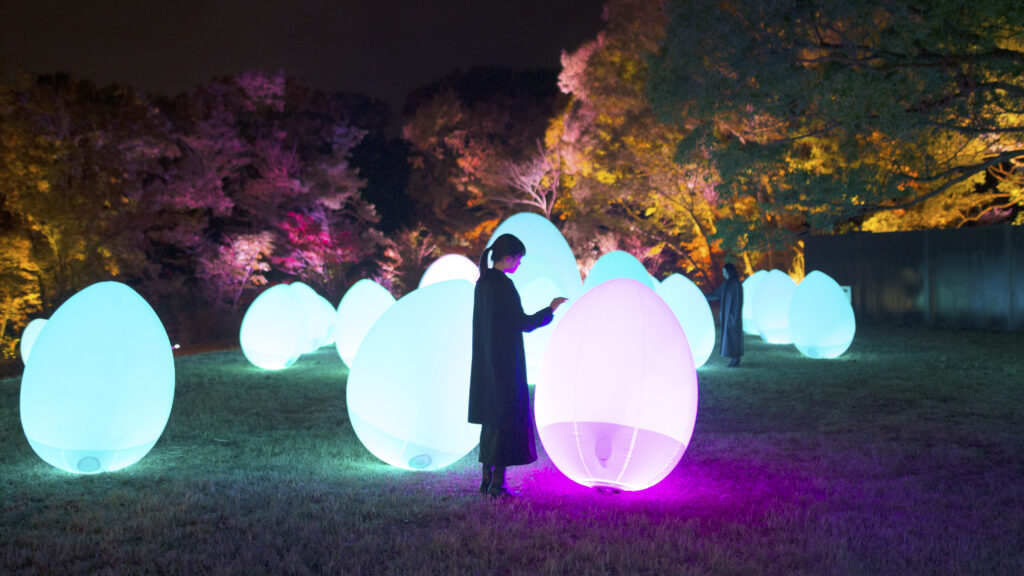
{"x": 97, "y": 393}
{"x": 617, "y": 401}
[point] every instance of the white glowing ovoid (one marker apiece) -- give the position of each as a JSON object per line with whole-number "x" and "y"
{"x": 617, "y": 264}
{"x": 329, "y": 315}
{"x": 691, "y": 308}
{"x": 548, "y": 270}
{"x": 617, "y": 401}
{"x": 450, "y": 267}
{"x": 360, "y": 307}
{"x": 408, "y": 389}
{"x": 821, "y": 319}
{"x": 750, "y": 286}
{"x": 275, "y": 329}
{"x": 28, "y": 337}
{"x": 318, "y": 321}
{"x": 771, "y": 307}
{"x": 544, "y": 242}
{"x": 98, "y": 391}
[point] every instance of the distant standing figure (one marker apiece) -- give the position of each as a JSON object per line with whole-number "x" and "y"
{"x": 498, "y": 396}
{"x": 731, "y": 295}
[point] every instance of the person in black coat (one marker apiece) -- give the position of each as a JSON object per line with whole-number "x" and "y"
{"x": 731, "y": 295}
{"x": 498, "y": 396}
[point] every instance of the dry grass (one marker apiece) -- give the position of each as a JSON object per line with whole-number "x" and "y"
{"x": 905, "y": 456}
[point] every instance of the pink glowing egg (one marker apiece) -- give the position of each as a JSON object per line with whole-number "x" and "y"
{"x": 617, "y": 401}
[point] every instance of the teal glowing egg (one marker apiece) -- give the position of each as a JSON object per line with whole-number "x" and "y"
{"x": 821, "y": 319}
{"x": 617, "y": 264}
{"x": 691, "y": 308}
{"x": 360, "y": 307}
{"x": 408, "y": 389}
{"x": 450, "y": 267}
{"x": 275, "y": 329}
{"x": 98, "y": 390}
{"x": 750, "y": 286}
{"x": 329, "y": 314}
{"x": 318, "y": 322}
{"x": 29, "y": 336}
{"x": 771, "y": 307}
{"x": 537, "y": 284}
{"x": 544, "y": 242}
{"x": 617, "y": 402}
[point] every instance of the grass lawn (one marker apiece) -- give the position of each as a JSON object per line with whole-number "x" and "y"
{"x": 905, "y": 456}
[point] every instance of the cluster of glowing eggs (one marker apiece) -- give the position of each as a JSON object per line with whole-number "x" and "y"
{"x": 275, "y": 328}
{"x": 360, "y": 307}
{"x": 771, "y": 307}
{"x": 821, "y": 320}
{"x": 408, "y": 387}
{"x": 98, "y": 391}
{"x": 618, "y": 398}
{"x": 750, "y": 286}
{"x": 690, "y": 307}
{"x": 450, "y": 267}
{"x": 617, "y": 264}
{"x": 548, "y": 270}
{"x": 29, "y": 336}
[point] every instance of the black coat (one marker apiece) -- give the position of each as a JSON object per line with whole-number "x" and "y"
{"x": 498, "y": 395}
{"x": 731, "y": 315}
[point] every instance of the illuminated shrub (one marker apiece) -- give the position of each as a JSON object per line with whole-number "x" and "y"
{"x": 274, "y": 329}
{"x": 821, "y": 319}
{"x": 543, "y": 242}
{"x": 750, "y": 286}
{"x": 691, "y": 308}
{"x": 408, "y": 389}
{"x": 98, "y": 391}
{"x": 618, "y": 398}
{"x": 28, "y": 337}
{"x": 359, "y": 309}
{"x": 771, "y": 307}
{"x": 450, "y": 267}
{"x": 617, "y": 264}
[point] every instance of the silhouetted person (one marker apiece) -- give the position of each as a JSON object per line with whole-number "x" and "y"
{"x": 730, "y": 293}
{"x": 498, "y": 396}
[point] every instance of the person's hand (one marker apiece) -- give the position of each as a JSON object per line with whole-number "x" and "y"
{"x": 557, "y": 302}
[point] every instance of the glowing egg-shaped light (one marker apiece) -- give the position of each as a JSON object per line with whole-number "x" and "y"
{"x": 98, "y": 391}
{"x": 771, "y": 307}
{"x": 750, "y": 286}
{"x": 543, "y": 241}
{"x": 360, "y": 307}
{"x": 537, "y": 284}
{"x": 617, "y": 402}
{"x": 617, "y": 264}
{"x": 329, "y": 315}
{"x": 821, "y": 319}
{"x": 691, "y": 308}
{"x": 408, "y": 388}
{"x": 29, "y": 335}
{"x": 450, "y": 267}
{"x": 318, "y": 324}
{"x": 274, "y": 329}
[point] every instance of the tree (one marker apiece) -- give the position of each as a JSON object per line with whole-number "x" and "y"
{"x": 621, "y": 187}
{"x": 819, "y": 115}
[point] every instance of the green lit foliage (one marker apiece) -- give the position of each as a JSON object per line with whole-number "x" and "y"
{"x": 837, "y": 114}
{"x": 620, "y": 180}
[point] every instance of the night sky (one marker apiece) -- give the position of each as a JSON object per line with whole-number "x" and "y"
{"x": 382, "y": 48}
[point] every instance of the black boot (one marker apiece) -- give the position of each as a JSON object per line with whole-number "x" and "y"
{"x": 485, "y": 482}
{"x": 499, "y": 489}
